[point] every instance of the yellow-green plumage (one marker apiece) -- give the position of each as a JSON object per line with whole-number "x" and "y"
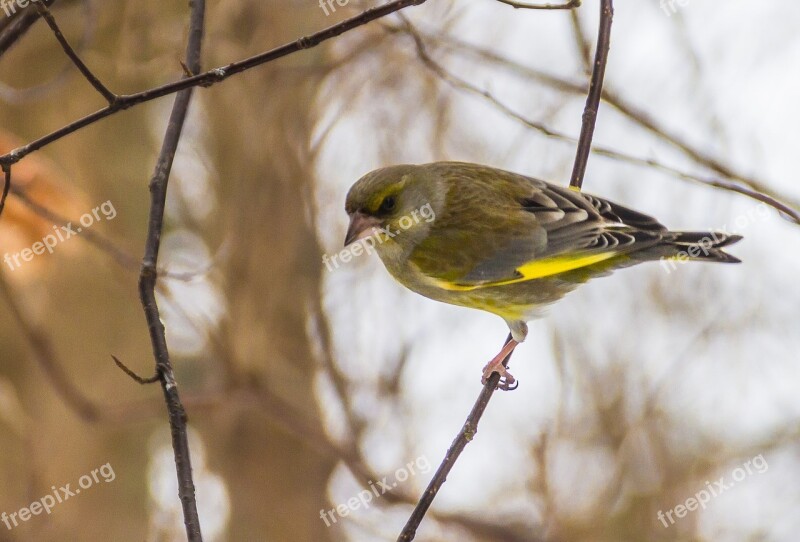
{"x": 502, "y": 242}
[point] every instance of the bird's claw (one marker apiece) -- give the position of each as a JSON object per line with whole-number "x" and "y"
{"x": 507, "y": 381}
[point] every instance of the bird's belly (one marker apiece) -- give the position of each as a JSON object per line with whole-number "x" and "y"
{"x": 517, "y": 301}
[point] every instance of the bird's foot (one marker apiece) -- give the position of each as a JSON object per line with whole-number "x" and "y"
{"x": 507, "y": 381}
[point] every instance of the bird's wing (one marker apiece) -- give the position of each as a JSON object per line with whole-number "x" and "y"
{"x": 508, "y": 228}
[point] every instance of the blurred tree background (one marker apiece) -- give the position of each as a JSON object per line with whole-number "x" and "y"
{"x": 305, "y": 386}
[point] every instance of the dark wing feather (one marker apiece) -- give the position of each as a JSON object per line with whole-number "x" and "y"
{"x": 496, "y": 221}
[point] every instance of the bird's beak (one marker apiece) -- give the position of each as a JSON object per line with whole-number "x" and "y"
{"x": 361, "y": 226}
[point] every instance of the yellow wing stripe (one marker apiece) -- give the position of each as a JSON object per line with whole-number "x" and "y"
{"x": 534, "y": 269}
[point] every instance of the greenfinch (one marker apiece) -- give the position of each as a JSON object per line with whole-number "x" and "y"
{"x": 503, "y": 242}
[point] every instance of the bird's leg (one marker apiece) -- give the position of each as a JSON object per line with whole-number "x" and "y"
{"x": 496, "y": 366}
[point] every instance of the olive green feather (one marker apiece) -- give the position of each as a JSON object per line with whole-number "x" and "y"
{"x": 507, "y": 243}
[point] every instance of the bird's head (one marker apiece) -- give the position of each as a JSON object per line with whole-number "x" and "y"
{"x": 395, "y": 204}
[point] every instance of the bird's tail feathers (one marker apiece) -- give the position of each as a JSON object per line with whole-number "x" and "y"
{"x": 702, "y": 246}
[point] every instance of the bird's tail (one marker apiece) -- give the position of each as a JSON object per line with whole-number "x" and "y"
{"x": 698, "y": 245}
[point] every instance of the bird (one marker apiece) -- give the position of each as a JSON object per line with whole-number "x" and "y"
{"x": 489, "y": 239}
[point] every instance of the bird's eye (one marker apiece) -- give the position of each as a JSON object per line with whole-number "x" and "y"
{"x": 387, "y": 205}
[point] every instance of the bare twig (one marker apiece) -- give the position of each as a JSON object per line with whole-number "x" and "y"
{"x": 593, "y": 98}
{"x": 70, "y": 52}
{"x": 571, "y": 4}
{"x": 149, "y": 276}
{"x": 470, "y": 426}
{"x": 209, "y": 77}
{"x": 140, "y": 379}
{"x": 788, "y": 212}
{"x": 467, "y": 433}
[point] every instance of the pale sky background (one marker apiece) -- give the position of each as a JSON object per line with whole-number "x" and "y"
{"x": 717, "y": 353}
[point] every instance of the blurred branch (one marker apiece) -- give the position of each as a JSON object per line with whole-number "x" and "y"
{"x": 355, "y": 426}
{"x": 789, "y": 213}
{"x": 584, "y": 47}
{"x": 122, "y": 257}
{"x": 571, "y": 4}
{"x": 593, "y": 98}
{"x": 70, "y": 52}
{"x": 149, "y": 276}
{"x": 209, "y": 77}
{"x": 45, "y": 356}
{"x": 647, "y": 122}
{"x": 752, "y": 188}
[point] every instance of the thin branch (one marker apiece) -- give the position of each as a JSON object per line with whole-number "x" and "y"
{"x": 593, "y": 98}
{"x": 70, "y": 52}
{"x": 571, "y": 4}
{"x": 467, "y": 433}
{"x": 209, "y": 77}
{"x": 470, "y": 426}
{"x": 136, "y": 378}
{"x": 149, "y": 276}
{"x": 788, "y": 212}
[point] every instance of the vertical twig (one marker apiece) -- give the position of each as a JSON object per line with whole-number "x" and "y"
{"x": 149, "y": 275}
{"x": 593, "y": 98}
{"x": 470, "y": 426}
